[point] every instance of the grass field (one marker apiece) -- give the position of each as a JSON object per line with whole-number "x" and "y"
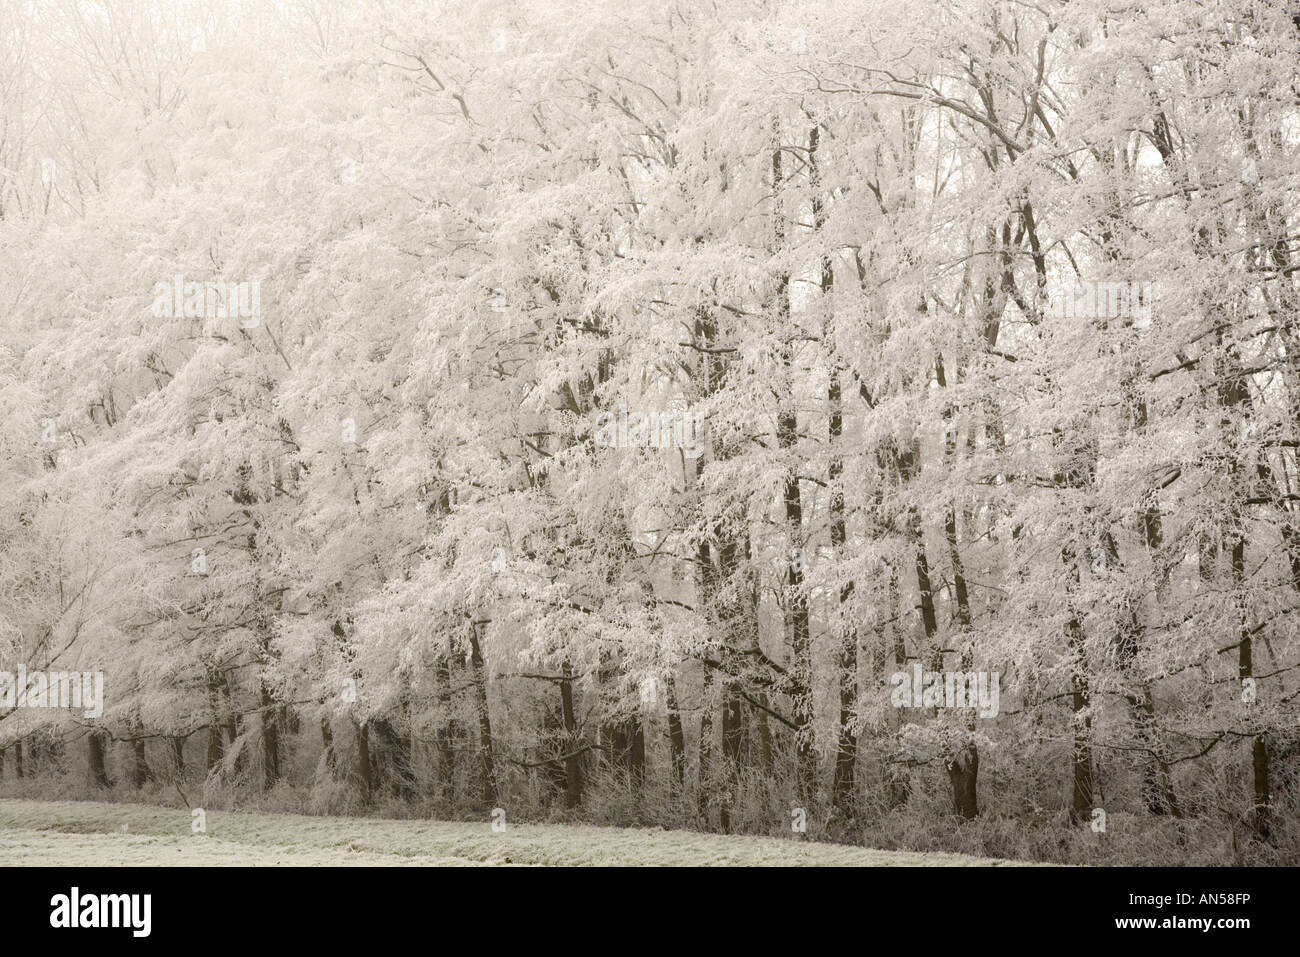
{"x": 83, "y": 833}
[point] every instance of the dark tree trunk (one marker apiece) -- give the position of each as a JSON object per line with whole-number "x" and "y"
{"x": 800, "y": 631}
{"x": 95, "y": 755}
{"x": 572, "y": 759}
{"x": 963, "y": 763}
{"x": 363, "y": 761}
{"x": 141, "y": 773}
{"x": 1261, "y": 816}
{"x": 446, "y": 734}
{"x": 796, "y": 598}
{"x": 1080, "y": 702}
{"x": 487, "y": 768}
{"x": 764, "y": 735}
{"x": 704, "y": 779}
{"x": 231, "y": 720}
{"x": 178, "y": 755}
{"x": 270, "y": 741}
{"x": 215, "y": 750}
{"x": 929, "y": 618}
{"x": 732, "y": 734}
{"x": 846, "y": 751}
{"x": 1076, "y": 451}
{"x": 636, "y": 755}
{"x": 389, "y": 762}
{"x": 676, "y": 734}
{"x": 327, "y": 740}
{"x": 1157, "y": 784}
{"x": 626, "y": 737}
{"x": 893, "y": 647}
{"x": 963, "y": 772}
{"x": 738, "y": 624}
{"x": 706, "y": 589}
{"x": 550, "y": 753}
{"x": 1234, "y": 393}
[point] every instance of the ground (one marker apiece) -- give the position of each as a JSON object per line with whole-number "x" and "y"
{"x": 83, "y": 833}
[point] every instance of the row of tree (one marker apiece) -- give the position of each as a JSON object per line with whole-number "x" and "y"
{"x": 371, "y": 542}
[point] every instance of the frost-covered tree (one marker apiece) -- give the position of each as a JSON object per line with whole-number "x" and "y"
{"x": 604, "y": 407}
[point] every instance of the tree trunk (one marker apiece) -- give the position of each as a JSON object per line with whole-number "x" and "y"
{"x": 446, "y": 734}
{"x": 363, "y": 761}
{"x": 1261, "y": 816}
{"x": 178, "y": 755}
{"x": 676, "y": 734}
{"x": 1080, "y": 702}
{"x": 846, "y": 754}
{"x": 95, "y": 755}
{"x": 1157, "y": 784}
{"x": 962, "y": 760}
{"x": 487, "y": 769}
{"x": 704, "y": 781}
{"x": 270, "y": 741}
{"x": 636, "y": 753}
{"x": 141, "y": 773}
{"x": 1234, "y": 393}
{"x": 732, "y": 734}
{"x": 327, "y": 742}
{"x": 764, "y": 736}
{"x": 215, "y": 750}
{"x": 231, "y": 720}
{"x": 891, "y": 647}
{"x": 796, "y": 598}
{"x": 389, "y": 763}
{"x": 572, "y": 760}
{"x": 738, "y": 624}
